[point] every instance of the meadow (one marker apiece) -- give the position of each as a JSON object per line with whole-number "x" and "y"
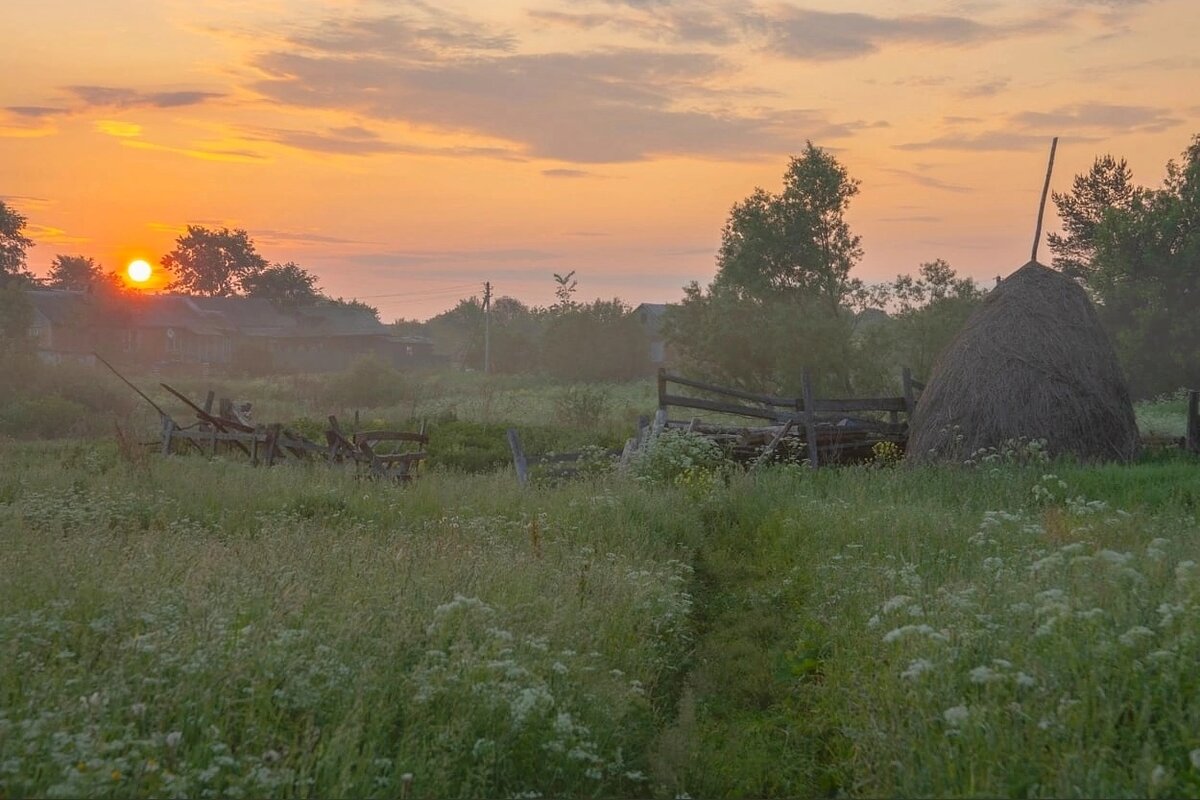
{"x": 197, "y": 627}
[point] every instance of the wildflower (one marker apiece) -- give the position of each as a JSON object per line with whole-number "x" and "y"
{"x": 1130, "y": 637}
{"x": 916, "y": 668}
{"x": 116, "y": 774}
{"x": 956, "y": 715}
{"x": 138, "y": 709}
{"x": 1159, "y": 776}
{"x": 985, "y": 674}
{"x": 174, "y": 738}
{"x": 1025, "y": 681}
{"x": 1194, "y": 757}
{"x": 895, "y": 602}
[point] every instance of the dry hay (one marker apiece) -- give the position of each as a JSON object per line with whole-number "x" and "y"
{"x": 1032, "y": 362}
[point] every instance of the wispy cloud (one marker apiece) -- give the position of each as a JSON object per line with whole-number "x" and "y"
{"x": 125, "y": 97}
{"x": 615, "y": 104}
{"x": 1025, "y": 130}
{"x": 926, "y": 180}
{"x": 569, "y": 173}
{"x": 202, "y": 152}
{"x": 411, "y": 258}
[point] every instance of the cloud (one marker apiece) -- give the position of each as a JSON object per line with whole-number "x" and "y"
{"x": 614, "y": 105}
{"x": 26, "y": 122}
{"x": 989, "y": 88}
{"x": 36, "y": 112}
{"x": 928, "y": 181}
{"x": 358, "y": 141}
{"x": 810, "y": 35}
{"x": 124, "y": 97}
{"x": 1083, "y": 122}
{"x": 410, "y": 258}
{"x": 202, "y": 152}
{"x": 568, "y": 173}
{"x": 303, "y": 237}
{"x": 46, "y": 234}
{"x": 1002, "y": 140}
{"x": 1100, "y": 116}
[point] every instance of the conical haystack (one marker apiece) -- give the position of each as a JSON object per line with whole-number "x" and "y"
{"x": 1032, "y": 362}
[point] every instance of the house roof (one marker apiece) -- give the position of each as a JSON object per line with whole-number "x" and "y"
{"x": 209, "y": 316}
{"x": 58, "y": 306}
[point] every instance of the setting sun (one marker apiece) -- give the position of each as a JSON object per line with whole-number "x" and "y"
{"x": 139, "y": 271}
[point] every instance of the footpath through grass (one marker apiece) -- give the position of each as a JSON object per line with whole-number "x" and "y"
{"x": 198, "y": 628}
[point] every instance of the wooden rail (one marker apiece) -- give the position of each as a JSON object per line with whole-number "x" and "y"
{"x": 800, "y": 412}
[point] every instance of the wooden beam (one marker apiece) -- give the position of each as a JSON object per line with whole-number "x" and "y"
{"x": 727, "y": 391}
{"x": 810, "y": 423}
{"x": 770, "y": 448}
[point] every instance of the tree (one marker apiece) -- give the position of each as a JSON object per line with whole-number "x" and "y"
{"x": 564, "y": 292}
{"x": 13, "y": 242}
{"x": 289, "y": 285}
{"x": 782, "y": 287}
{"x": 213, "y": 262}
{"x": 74, "y": 272}
{"x": 797, "y": 241}
{"x": 1145, "y": 273}
{"x": 1108, "y": 186}
{"x": 927, "y": 312}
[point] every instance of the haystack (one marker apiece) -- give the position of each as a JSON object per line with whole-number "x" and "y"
{"x": 1032, "y": 362}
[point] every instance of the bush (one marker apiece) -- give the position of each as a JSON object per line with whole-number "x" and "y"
{"x": 367, "y": 383}
{"x": 48, "y": 417}
{"x": 676, "y": 456}
{"x": 581, "y": 406}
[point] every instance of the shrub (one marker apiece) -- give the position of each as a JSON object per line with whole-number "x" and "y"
{"x": 367, "y": 383}
{"x": 675, "y": 454}
{"x": 581, "y": 405}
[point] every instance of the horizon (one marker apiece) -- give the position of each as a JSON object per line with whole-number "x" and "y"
{"x": 405, "y": 154}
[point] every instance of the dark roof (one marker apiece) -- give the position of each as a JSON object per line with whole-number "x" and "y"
{"x": 61, "y": 307}
{"x": 210, "y": 316}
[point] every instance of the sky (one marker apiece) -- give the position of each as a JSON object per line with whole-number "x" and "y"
{"x": 405, "y": 152}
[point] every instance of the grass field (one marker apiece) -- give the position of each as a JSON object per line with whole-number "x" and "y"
{"x": 194, "y": 627}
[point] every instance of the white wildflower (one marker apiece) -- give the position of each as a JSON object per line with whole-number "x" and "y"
{"x": 891, "y": 604}
{"x": 1130, "y": 637}
{"x": 916, "y": 668}
{"x": 1194, "y": 757}
{"x": 1115, "y": 558}
{"x": 174, "y": 738}
{"x": 956, "y": 715}
{"x": 985, "y": 674}
{"x": 1026, "y": 681}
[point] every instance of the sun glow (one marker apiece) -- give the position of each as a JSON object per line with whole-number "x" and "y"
{"x": 139, "y": 271}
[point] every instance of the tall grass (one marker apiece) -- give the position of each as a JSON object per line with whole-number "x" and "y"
{"x": 195, "y": 627}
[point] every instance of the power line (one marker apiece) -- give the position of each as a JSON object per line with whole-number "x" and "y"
{"x": 428, "y": 292}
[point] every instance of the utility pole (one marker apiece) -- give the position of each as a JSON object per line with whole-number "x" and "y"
{"x": 487, "y": 328}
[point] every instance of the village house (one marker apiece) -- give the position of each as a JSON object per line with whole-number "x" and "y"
{"x": 249, "y": 334}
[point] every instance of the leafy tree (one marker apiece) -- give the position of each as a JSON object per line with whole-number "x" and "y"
{"x": 796, "y": 241}
{"x": 13, "y": 242}
{"x": 213, "y": 262}
{"x": 564, "y": 292}
{"x": 927, "y": 311}
{"x": 354, "y": 305}
{"x": 1146, "y": 275}
{"x": 1108, "y": 186}
{"x": 782, "y": 298}
{"x": 289, "y": 285}
{"x": 598, "y": 341}
{"x": 74, "y": 272}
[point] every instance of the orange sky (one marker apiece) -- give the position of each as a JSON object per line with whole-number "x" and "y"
{"x": 407, "y": 151}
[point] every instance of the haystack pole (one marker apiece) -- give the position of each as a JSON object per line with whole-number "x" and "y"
{"x": 1037, "y": 234}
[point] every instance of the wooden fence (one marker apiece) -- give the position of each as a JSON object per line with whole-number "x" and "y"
{"x": 1191, "y": 442}
{"x": 818, "y": 422}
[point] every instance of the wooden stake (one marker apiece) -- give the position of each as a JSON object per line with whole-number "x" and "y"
{"x": 1042, "y": 205}
{"x": 1193, "y": 422}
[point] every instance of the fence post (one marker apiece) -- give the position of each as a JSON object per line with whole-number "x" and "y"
{"x": 662, "y": 386}
{"x": 168, "y": 429}
{"x": 910, "y": 402}
{"x": 1193, "y": 422}
{"x": 518, "y": 453}
{"x": 810, "y": 422}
